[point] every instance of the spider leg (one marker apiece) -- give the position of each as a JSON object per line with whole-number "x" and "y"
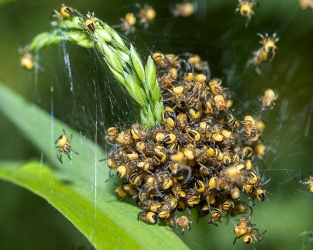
{"x": 70, "y": 140}
{"x": 69, "y": 156}
{"x": 272, "y": 57}
{"x": 75, "y": 152}
{"x": 59, "y": 155}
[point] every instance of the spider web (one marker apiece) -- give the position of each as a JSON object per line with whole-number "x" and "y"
{"x": 82, "y": 93}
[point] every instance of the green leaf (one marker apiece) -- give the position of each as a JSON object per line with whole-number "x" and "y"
{"x": 82, "y": 39}
{"x": 150, "y": 73}
{"x": 150, "y": 76}
{"x": 107, "y": 223}
{"x": 117, "y": 75}
{"x": 134, "y": 90}
{"x": 137, "y": 63}
{"x": 102, "y": 34}
{"x": 68, "y": 23}
{"x": 156, "y": 94}
{"x": 116, "y": 39}
{"x": 111, "y": 58}
{"x": 42, "y": 130}
{"x": 44, "y": 39}
{"x": 86, "y": 201}
{"x": 123, "y": 56}
{"x": 158, "y": 111}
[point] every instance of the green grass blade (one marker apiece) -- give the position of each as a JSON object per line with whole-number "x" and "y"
{"x": 108, "y": 223}
{"x": 87, "y": 201}
{"x": 42, "y": 130}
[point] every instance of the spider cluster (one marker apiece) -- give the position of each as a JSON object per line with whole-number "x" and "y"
{"x": 197, "y": 158}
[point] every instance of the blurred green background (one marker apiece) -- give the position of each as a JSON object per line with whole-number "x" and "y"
{"x": 218, "y": 34}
